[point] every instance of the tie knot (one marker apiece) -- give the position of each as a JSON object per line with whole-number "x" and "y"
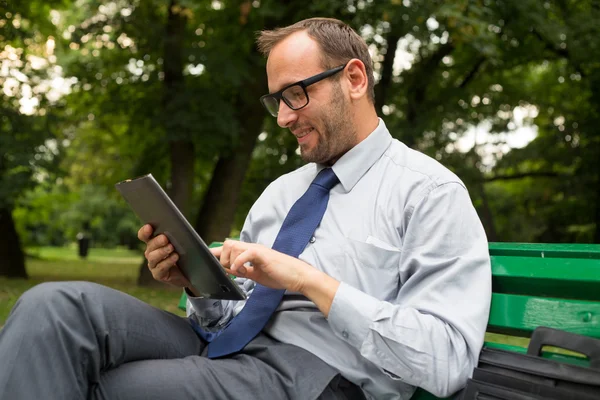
{"x": 326, "y": 178}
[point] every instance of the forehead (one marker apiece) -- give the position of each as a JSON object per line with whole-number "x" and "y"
{"x": 294, "y": 58}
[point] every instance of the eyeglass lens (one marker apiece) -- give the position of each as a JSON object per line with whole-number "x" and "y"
{"x": 294, "y": 97}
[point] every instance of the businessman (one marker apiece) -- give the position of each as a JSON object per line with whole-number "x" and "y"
{"x": 367, "y": 270}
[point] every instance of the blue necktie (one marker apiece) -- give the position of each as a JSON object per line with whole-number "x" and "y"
{"x": 295, "y": 232}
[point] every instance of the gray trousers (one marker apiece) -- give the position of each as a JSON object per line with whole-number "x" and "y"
{"x": 80, "y": 340}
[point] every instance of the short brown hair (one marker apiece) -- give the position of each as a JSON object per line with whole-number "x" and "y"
{"x": 338, "y": 43}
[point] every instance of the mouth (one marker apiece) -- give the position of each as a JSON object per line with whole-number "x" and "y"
{"x": 301, "y": 134}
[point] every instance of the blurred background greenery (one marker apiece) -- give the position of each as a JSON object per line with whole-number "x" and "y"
{"x": 506, "y": 93}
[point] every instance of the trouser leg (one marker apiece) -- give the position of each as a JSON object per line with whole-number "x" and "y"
{"x": 265, "y": 369}
{"x": 76, "y": 340}
{"x": 61, "y": 337}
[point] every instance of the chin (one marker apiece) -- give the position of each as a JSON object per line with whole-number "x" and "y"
{"x": 307, "y": 157}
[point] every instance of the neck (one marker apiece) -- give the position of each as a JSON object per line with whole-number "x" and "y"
{"x": 365, "y": 122}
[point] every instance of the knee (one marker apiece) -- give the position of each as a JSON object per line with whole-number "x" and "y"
{"x": 47, "y": 292}
{"x": 41, "y": 300}
{"x": 41, "y": 309}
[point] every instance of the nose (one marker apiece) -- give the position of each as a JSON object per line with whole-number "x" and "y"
{"x": 286, "y": 116}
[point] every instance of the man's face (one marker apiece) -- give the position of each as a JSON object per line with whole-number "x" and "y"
{"x": 323, "y": 128}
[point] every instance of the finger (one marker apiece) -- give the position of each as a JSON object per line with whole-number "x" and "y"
{"x": 239, "y": 273}
{"x": 225, "y": 257}
{"x": 249, "y": 256}
{"x": 244, "y": 271}
{"x": 159, "y": 254}
{"x": 156, "y": 243}
{"x": 216, "y": 251}
{"x": 145, "y": 232}
{"x": 236, "y": 247}
{"x": 176, "y": 277}
{"x": 162, "y": 270}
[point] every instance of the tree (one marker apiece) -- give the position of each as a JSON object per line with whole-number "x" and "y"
{"x": 181, "y": 101}
{"x": 26, "y": 146}
{"x": 149, "y": 68}
{"x": 216, "y": 111}
{"x": 559, "y": 172}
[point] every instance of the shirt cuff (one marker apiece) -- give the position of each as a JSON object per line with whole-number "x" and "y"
{"x": 203, "y": 307}
{"x": 352, "y": 313}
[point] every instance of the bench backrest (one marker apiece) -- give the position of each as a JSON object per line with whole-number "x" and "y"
{"x": 555, "y": 285}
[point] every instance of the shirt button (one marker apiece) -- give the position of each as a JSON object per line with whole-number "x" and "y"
{"x": 345, "y": 334}
{"x": 313, "y": 239}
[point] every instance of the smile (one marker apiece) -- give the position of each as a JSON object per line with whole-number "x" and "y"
{"x": 303, "y": 133}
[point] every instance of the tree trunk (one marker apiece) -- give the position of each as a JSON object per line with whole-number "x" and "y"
{"x": 182, "y": 175}
{"x": 417, "y": 90}
{"x": 595, "y": 102}
{"x": 12, "y": 259}
{"x": 597, "y": 233}
{"x": 181, "y": 150}
{"x": 597, "y": 211}
{"x": 381, "y": 90}
{"x": 220, "y": 202}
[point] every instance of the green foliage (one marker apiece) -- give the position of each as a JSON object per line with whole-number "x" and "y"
{"x": 274, "y": 155}
{"x": 27, "y": 148}
{"x": 53, "y": 214}
{"x": 472, "y": 63}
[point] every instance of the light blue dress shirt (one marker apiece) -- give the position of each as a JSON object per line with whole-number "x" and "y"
{"x": 401, "y": 235}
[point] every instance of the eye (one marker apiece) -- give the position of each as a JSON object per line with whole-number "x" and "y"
{"x": 294, "y": 93}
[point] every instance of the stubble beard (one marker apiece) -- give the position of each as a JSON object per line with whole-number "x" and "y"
{"x": 338, "y": 134}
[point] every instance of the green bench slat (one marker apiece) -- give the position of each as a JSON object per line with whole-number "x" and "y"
{"x": 520, "y": 315}
{"x": 547, "y": 276}
{"x": 182, "y": 301}
{"x": 543, "y": 250}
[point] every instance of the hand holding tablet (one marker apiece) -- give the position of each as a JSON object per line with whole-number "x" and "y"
{"x": 194, "y": 259}
{"x": 162, "y": 258}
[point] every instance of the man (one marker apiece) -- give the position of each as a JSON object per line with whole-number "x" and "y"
{"x": 389, "y": 288}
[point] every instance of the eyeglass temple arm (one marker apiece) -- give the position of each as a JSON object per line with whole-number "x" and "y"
{"x": 323, "y": 75}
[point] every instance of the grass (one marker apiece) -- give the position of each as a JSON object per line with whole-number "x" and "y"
{"x": 116, "y": 268}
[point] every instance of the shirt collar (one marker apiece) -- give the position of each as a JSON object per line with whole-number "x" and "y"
{"x": 357, "y": 161}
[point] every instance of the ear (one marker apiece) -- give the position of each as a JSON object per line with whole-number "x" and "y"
{"x": 356, "y": 76}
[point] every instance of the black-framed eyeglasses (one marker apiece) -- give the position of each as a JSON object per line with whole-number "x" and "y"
{"x": 295, "y": 95}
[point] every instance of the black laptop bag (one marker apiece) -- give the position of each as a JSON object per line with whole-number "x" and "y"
{"x": 505, "y": 375}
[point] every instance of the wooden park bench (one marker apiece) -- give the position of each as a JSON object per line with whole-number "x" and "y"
{"x": 553, "y": 285}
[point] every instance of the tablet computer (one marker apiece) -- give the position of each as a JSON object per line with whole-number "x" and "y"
{"x": 153, "y": 206}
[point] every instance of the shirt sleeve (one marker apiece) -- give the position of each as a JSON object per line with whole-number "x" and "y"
{"x": 431, "y": 335}
{"x": 212, "y": 314}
